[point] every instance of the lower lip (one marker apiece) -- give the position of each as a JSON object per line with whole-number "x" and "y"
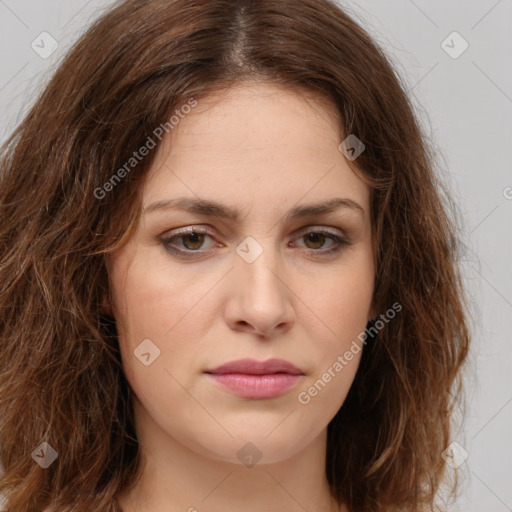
{"x": 256, "y": 386}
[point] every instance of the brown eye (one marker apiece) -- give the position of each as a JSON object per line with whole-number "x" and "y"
{"x": 317, "y": 240}
{"x": 193, "y": 241}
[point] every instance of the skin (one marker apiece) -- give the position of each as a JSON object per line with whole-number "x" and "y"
{"x": 264, "y": 150}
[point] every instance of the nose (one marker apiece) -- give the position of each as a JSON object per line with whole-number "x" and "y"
{"x": 259, "y": 301}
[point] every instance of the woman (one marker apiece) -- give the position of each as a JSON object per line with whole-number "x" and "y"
{"x": 227, "y": 276}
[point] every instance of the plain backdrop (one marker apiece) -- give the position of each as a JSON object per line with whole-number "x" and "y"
{"x": 454, "y": 57}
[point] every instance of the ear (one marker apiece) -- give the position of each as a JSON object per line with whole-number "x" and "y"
{"x": 105, "y": 306}
{"x": 372, "y": 314}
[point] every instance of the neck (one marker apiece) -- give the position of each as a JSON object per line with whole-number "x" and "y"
{"x": 175, "y": 478}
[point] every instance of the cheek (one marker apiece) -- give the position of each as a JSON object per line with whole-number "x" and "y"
{"x": 343, "y": 299}
{"x": 165, "y": 309}
{"x": 343, "y": 305}
{"x": 343, "y": 308}
{"x": 151, "y": 302}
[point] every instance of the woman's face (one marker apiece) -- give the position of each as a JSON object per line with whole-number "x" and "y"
{"x": 252, "y": 287}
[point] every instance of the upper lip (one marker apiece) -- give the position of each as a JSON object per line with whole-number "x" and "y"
{"x": 253, "y": 367}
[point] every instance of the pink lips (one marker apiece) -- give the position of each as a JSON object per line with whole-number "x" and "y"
{"x": 254, "y": 379}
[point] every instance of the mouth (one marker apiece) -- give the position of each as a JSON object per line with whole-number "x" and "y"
{"x": 253, "y": 379}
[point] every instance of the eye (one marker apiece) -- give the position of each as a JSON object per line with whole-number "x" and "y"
{"x": 192, "y": 239}
{"x": 315, "y": 240}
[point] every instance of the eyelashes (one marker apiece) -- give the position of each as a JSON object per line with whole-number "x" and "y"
{"x": 192, "y": 240}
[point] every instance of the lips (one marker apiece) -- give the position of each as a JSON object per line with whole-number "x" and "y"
{"x": 253, "y": 367}
{"x": 253, "y": 379}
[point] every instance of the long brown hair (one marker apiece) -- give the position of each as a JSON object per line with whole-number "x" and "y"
{"x": 61, "y": 379}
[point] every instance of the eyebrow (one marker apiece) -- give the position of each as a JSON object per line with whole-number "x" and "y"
{"x": 215, "y": 209}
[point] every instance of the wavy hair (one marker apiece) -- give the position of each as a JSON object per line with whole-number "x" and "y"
{"x": 61, "y": 378}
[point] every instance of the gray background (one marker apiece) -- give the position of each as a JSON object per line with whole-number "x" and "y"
{"x": 465, "y": 104}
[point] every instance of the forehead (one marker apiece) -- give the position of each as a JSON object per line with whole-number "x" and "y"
{"x": 254, "y": 118}
{"x": 255, "y": 141}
